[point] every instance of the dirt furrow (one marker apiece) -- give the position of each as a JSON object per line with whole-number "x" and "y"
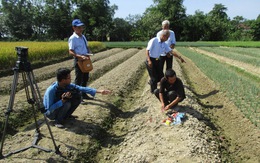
{"x": 49, "y": 71}
{"x": 140, "y": 136}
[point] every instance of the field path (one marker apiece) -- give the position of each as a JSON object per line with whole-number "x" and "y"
{"x": 244, "y": 66}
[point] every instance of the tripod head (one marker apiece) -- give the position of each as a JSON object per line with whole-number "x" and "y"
{"x": 22, "y": 53}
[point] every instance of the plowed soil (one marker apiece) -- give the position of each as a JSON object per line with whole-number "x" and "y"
{"x": 126, "y": 126}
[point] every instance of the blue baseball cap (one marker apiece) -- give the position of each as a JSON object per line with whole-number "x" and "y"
{"x": 77, "y": 23}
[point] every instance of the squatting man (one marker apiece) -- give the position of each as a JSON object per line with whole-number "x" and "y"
{"x": 171, "y": 90}
{"x": 63, "y": 97}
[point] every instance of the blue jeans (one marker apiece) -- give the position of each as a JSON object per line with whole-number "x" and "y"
{"x": 65, "y": 111}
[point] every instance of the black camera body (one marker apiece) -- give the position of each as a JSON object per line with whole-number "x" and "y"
{"x": 22, "y": 53}
{"x": 74, "y": 93}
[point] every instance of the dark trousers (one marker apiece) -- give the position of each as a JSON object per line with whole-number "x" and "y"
{"x": 81, "y": 78}
{"x": 168, "y": 61}
{"x": 154, "y": 73}
{"x": 168, "y": 96}
{"x": 65, "y": 111}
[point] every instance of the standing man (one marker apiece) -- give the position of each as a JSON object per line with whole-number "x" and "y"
{"x": 168, "y": 58}
{"x": 155, "y": 47}
{"x": 62, "y": 98}
{"x": 78, "y": 48}
{"x": 171, "y": 90}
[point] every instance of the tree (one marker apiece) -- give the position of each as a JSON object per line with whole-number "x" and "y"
{"x": 256, "y": 29}
{"x": 194, "y": 28}
{"x": 240, "y": 29}
{"x": 97, "y": 16}
{"x": 173, "y": 11}
{"x": 121, "y": 30}
{"x": 18, "y": 18}
{"x": 57, "y": 16}
{"x": 217, "y": 24}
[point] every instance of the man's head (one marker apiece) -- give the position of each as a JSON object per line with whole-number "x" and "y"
{"x": 63, "y": 75}
{"x": 164, "y": 35}
{"x": 165, "y": 24}
{"x": 78, "y": 26}
{"x": 170, "y": 76}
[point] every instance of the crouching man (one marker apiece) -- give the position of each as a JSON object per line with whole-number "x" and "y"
{"x": 171, "y": 90}
{"x": 63, "y": 97}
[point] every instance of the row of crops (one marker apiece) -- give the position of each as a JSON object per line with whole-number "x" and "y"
{"x": 242, "y": 87}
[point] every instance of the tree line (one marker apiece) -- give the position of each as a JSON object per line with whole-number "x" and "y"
{"x": 45, "y": 20}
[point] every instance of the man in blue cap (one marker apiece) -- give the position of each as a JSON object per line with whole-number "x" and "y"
{"x": 78, "y": 48}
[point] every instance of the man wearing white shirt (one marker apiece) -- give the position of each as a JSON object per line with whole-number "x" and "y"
{"x": 171, "y": 41}
{"x": 156, "y": 46}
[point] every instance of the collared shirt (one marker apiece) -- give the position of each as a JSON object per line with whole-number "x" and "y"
{"x": 171, "y": 40}
{"x": 157, "y": 47}
{"x": 52, "y": 102}
{"x": 78, "y": 44}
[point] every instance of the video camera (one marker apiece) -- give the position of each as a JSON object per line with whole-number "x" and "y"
{"x": 74, "y": 93}
{"x": 22, "y": 53}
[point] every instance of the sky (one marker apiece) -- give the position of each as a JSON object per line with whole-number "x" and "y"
{"x": 249, "y": 9}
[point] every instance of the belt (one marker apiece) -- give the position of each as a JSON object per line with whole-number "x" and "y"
{"x": 154, "y": 58}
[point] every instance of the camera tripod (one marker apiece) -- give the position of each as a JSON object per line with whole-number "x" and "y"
{"x": 33, "y": 97}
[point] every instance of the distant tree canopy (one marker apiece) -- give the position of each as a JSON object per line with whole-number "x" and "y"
{"x": 51, "y": 20}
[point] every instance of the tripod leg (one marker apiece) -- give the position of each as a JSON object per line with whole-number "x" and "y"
{"x": 10, "y": 107}
{"x": 37, "y": 98}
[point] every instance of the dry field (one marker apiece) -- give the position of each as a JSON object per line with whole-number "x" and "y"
{"x": 127, "y": 125}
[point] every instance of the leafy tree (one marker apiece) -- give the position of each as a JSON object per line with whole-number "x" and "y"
{"x": 18, "y": 18}
{"x": 173, "y": 11}
{"x": 135, "y": 22}
{"x": 240, "y": 29}
{"x": 121, "y": 30}
{"x": 217, "y": 24}
{"x": 194, "y": 28}
{"x": 150, "y": 23}
{"x": 256, "y": 29}
{"x": 57, "y": 18}
{"x": 96, "y": 14}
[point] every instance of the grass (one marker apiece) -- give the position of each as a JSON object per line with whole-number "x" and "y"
{"x": 253, "y": 58}
{"x": 238, "y": 86}
{"x": 143, "y": 44}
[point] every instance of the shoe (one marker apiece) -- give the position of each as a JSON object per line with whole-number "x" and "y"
{"x": 58, "y": 125}
{"x": 72, "y": 117}
{"x": 87, "y": 97}
{"x": 82, "y": 101}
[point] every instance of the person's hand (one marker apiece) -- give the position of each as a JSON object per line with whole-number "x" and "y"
{"x": 169, "y": 55}
{"x": 150, "y": 63}
{"x": 105, "y": 92}
{"x": 166, "y": 107}
{"x": 163, "y": 108}
{"x": 65, "y": 96}
{"x": 182, "y": 60}
{"x": 84, "y": 57}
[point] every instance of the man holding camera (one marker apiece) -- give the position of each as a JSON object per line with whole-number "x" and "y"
{"x": 63, "y": 97}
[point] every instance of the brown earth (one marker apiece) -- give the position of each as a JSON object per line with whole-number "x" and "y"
{"x": 213, "y": 130}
